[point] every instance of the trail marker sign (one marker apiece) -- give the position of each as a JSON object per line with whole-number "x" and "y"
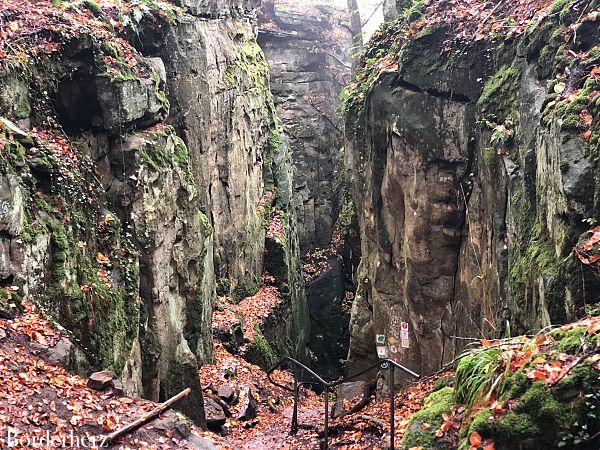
{"x": 404, "y": 339}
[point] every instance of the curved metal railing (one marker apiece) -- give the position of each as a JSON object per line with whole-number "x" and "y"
{"x": 384, "y": 364}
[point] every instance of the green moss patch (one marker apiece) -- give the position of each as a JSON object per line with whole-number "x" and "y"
{"x": 498, "y": 95}
{"x": 423, "y": 424}
{"x": 259, "y": 351}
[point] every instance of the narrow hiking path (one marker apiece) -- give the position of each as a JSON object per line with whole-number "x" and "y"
{"x": 249, "y": 412}
{"x": 41, "y": 395}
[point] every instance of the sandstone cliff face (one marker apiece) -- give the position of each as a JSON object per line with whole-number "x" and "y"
{"x": 307, "y": 48}
{"x": 140, "y": 187}
{"x": 473, "y": 179}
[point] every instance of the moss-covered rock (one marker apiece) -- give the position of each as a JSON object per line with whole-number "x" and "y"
{"x": 423, "y": 425}
{"x": 497, "y": 96}
{"x": 259, "y": 351}
{"x": 538, "y": 419}
{"x": 508, "y": 394}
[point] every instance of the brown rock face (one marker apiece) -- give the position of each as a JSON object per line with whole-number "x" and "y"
{"x": 172, "y": 162}
{"x": 462, "y": 235}
{"x": 100, "y": 381}
{"x": 411, "y": 216}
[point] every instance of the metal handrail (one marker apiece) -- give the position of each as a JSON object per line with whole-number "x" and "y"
{"x": 385, "y": 363}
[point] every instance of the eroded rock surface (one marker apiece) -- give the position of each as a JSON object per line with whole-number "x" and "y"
{"x": 122, "y": 222}
{"x": 307, "y": 48}
{"x": 469, "y": 187}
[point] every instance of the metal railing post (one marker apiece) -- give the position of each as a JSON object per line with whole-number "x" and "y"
{"x": 382, "y": 364}
{"x": 392, "y": 405}
{"x": 326, "y": 431}
{"x": 295, "y": 412}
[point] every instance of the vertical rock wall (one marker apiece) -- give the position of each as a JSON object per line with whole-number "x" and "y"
{"x": 140, "y": 186}
{"x": 474, "y": 176}
{"x": 307, "y": 48}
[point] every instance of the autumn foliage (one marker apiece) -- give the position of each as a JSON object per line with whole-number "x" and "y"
{"x": 37, "y": 396}
{"x": 588, "y": 249}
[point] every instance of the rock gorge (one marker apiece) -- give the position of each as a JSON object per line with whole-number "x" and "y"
{"x": 164, "y": 165}
{"x": 154, "y": 165}
{"x": 308, "y": 48}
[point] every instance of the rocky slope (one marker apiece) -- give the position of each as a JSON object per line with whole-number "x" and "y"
{"x": 472, "y": 157}
{"x": 140, "y": 157}
{"x": 526, "y": 393}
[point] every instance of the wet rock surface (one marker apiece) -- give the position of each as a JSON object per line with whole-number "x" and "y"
{"x": 469, "y": 190}
{"x": 308, "y": 60}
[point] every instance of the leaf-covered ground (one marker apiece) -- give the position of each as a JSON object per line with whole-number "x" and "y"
{"x": 494, "y": 380}
{"x": 37, "y": 396}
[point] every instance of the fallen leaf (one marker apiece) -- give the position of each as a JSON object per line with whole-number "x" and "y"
{"x": 475, "y": 439}
{"x": 489, "y": 445}
{"x": 102, "y": 259}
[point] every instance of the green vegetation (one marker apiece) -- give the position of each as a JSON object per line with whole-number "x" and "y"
{"x": 223, "y": 286}
{"x": 245, "y": 289}
{"x": 447, "y": 381}
{"x": 559, "y": 5}
{"x": 497, "y": 97}
{"x": 165, "y": 150}
{"x": 533, "y": 255}
{"x": 207, "y": 228}
{"x": 510, "y": 391}
{"x": 436, "y": 404}
{"x": 489, "y": 157}
{"x": 259, "y": 352}
{"x": 92, "y": 6}
{"x": 380, "y": 54}
{"x": 92, "y": 279}
{"x": 477, "y": 376}
{"x": 536, "y": 419}
{"x": 250, "y": 68}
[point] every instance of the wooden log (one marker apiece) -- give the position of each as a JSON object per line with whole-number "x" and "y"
{"x": 109, "y": 438}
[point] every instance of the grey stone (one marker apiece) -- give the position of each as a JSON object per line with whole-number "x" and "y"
{"x": 228, "y": 393}
{"x": 174, "y": 421}
{"x": 348, "y": 395}
{"x": 11, "y": 205}
{"x": 200, "y": 443}
{"x": 100, "y": 381}
{"x": 14, "y": 97}
{"x": 215, "y": 416}
{"x": 249, "y": 410}
{"x": 306, "y": 85}
{"x": 60, "y": 353}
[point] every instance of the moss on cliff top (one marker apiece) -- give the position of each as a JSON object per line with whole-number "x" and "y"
{"x": 419, "y": 19}
{"x": 498, "y": 97}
